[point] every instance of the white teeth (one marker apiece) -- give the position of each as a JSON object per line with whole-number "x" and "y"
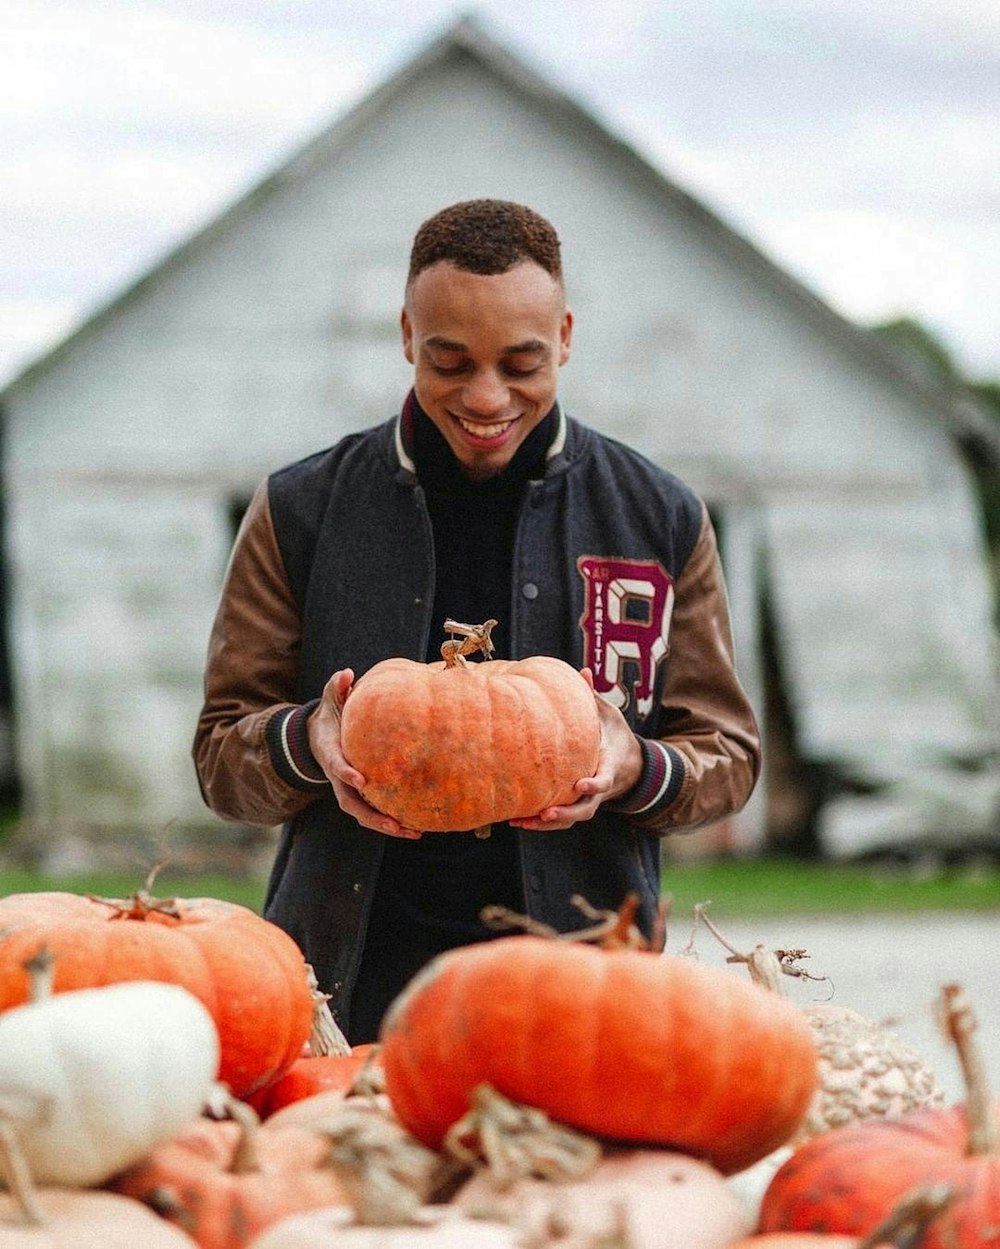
{"x": 484, "y": 431}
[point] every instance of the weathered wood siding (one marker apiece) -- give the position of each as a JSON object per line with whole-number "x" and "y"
{"x": 276, "y": 332}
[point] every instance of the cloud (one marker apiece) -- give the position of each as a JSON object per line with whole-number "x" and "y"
{"x": 857, "y": 143}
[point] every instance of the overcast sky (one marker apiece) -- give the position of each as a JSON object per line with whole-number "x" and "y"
{"x": 857, "y": 142}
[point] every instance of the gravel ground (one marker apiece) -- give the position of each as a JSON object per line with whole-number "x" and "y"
{"x": 889, "y": 968}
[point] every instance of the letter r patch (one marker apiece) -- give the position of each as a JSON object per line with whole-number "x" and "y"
{"x": 626, "y": 626}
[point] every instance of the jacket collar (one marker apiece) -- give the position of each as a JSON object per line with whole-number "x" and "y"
{"x": 403, "y": 436}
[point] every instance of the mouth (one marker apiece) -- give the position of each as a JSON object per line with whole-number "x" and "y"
{"x": 485, "y": 433}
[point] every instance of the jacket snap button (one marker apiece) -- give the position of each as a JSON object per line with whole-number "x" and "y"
{"x": 529, "y": 590}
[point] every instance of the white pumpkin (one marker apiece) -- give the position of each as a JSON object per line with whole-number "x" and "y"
{"x": 92, "y": 1079}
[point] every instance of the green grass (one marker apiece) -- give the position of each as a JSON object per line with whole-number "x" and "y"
{"x": 231, "y": 889}
{"x": 734, "y": 887}
{"x": 776, "y": 886}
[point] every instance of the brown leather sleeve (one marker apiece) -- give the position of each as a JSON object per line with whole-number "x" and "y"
{"x": 708, "y": 717}
{"x": 250, "y": 675}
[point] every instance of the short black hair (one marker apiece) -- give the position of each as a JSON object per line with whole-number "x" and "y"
{"x": 486, "y": 236}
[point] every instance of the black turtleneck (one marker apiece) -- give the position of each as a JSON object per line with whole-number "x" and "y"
{"x": 474, "y": 524}
{"x": 430, "y": 892}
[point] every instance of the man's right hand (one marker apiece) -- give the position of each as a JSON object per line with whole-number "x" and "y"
{"x": 324, "y": 741}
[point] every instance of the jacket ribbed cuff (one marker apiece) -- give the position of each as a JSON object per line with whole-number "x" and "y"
{"x": 287, "y": 739}
{"x": 660, "y": 782}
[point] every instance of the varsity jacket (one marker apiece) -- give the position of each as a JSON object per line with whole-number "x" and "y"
{"x": 615, "y": 568}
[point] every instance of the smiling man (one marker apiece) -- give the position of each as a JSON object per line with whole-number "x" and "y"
{"x": 481, "y": 499}
{"x": 486, "y": 346}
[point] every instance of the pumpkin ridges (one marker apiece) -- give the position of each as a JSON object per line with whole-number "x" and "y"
{"x": 247, "y": 972}
{"x": 907, "y": 1149}
{"x": 428, "y": 740}
{"x": 451, "y": 1034}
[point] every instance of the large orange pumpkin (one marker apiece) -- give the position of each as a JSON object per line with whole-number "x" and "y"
{"x": 621, "y": 1043}
{"x": 455, "y": 746}
{"x": 250, "y": 974}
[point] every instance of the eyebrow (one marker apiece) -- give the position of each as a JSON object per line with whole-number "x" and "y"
{"x": 516, "y": 349}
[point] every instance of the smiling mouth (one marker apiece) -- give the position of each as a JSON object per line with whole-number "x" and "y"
{"x": 486, "y": 432}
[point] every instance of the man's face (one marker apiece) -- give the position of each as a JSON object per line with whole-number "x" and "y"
{"x": 486, "y": 351}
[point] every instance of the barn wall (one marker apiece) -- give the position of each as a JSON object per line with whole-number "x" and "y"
{"x": 276, "y": 333}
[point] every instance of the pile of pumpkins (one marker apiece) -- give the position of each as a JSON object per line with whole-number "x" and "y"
{"x": 170, "y": 1076}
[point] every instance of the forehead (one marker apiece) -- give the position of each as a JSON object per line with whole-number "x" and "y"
{"x": 445, "y": 300}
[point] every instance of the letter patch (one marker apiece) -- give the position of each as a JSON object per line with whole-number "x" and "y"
{"x": 626, "y": 626}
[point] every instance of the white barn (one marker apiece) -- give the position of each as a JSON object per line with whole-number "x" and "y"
{"x": 851, "y": 534}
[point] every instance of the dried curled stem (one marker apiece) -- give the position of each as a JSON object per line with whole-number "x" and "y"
{"x": 514, "y": 1141}
{"x": 471, "y": 638}
{"x": 388, "y": 1175}
{"x": 613, "y": 930}
{"x": 906, "y": 1224}
{"x": 766, "y": 966}
{"x": 961, "y": 1026}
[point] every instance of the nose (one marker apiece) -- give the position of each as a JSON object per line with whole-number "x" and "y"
{"x": 485, "y": 393}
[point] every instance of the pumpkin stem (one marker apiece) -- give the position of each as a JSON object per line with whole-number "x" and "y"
{"x": 17, "y": 1176}
{"x": 140, "y": 905}
{"x": 388, "y": 1174}
{"x": 961, "y": 1026}
{"x": 614, "y": 930}
{"x": 503, "y": 917}
{"x": 473, "y": 638}
{"x": 905, "y": 1226}
{"x": 41, "y": 974}
{"x": 326, "y": 1037}
{"x": 515, "y": 1141}
{"x": 766, "y": 967}
{"x": 246, "y": 1155}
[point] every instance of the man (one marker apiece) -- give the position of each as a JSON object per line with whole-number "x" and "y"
{"x": 482, "y": 499}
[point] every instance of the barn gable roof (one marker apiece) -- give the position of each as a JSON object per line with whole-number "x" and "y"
{"x": 468, "y": 38}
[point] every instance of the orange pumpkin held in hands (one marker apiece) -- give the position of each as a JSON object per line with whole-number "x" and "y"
{"x": 451, "y": 746}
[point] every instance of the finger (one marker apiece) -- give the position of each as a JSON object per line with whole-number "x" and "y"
{"x": 392, "y": 829}
{"x": 342, "y": 682}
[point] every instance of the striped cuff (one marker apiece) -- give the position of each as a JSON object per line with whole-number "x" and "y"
{"x": 287, "y": 739}
{"x": 660, "y": 782}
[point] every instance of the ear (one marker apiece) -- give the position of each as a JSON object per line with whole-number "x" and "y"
{"x": 565, "y": 336}
{"x": 407, "y": 328}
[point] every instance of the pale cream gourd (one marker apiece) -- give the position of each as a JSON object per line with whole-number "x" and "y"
{"x": 565, "y": 1186}
{"x": 438, "y": 1227}
{"x": 653, "y": 1198}
{"x": 91, "y": 1079}
{"x": 72, "y": 1218}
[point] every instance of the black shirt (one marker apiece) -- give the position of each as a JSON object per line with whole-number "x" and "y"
{"x": 430, "y": 892}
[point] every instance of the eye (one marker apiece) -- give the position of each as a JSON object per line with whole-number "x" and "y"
{"x": 448, "y": 370}
{"x": 513, "y": 371}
